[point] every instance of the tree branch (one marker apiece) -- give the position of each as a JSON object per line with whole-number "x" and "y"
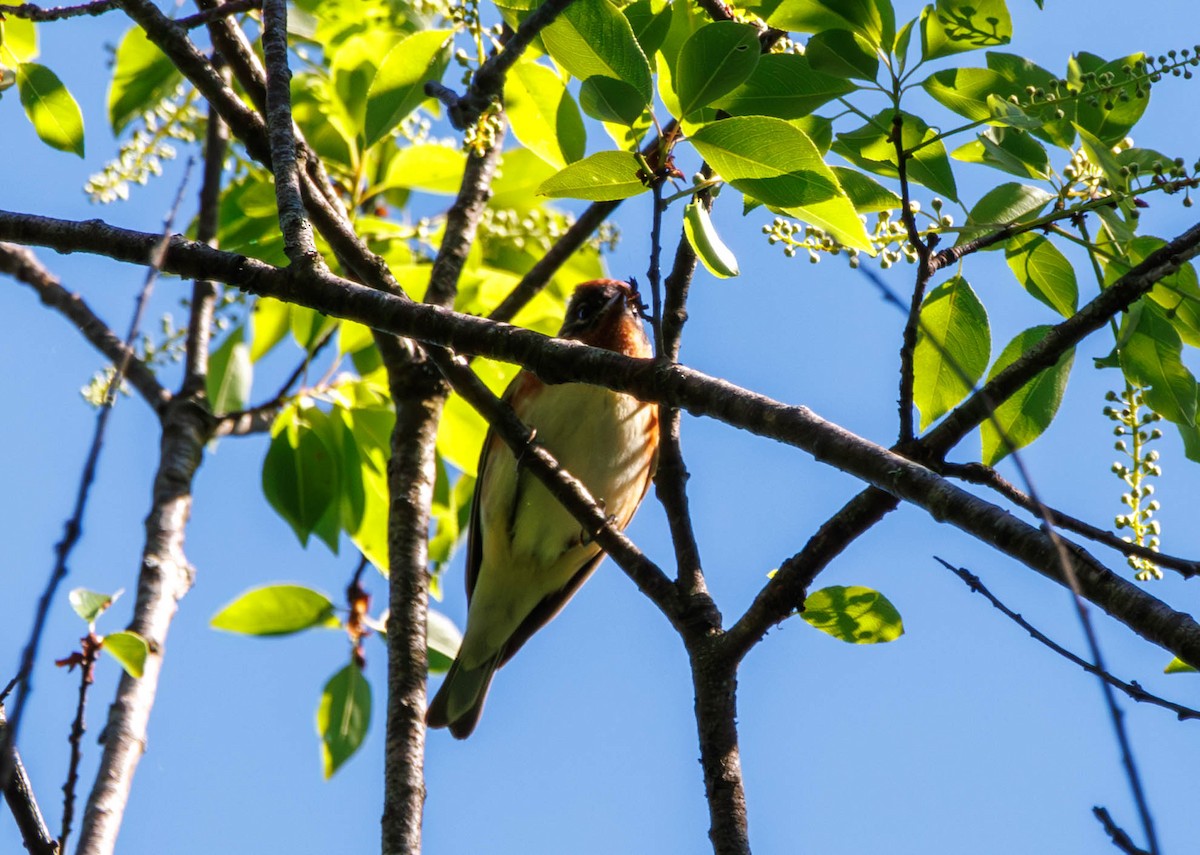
{"x": 18, "y": 794}
{"x": 32, "y": 12}
{"x": 1119, "y": 837}
{"x": 224, "y": 10}
{"x": 23, "y": 265}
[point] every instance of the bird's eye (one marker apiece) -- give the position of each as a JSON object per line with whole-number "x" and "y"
{"x": 584, "y": 311}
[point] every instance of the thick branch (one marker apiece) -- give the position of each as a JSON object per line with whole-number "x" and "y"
{"x": 18, "y": 794}
{"x": 32, "y": 12}
{"x": 22, "y": 265}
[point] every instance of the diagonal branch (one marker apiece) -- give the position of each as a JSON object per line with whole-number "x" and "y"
{"x": 18, "y": 794}
{"x": 23, "y": 265}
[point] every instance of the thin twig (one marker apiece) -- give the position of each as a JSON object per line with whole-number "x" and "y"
{"x": 208, "y": 16}
{"x": 74, "y": 525}
{"x": 90, "y": 649}
{"x": 1120, "y": 839}
{"x": 977, "y": 473}
{"x": 1132, "y": 689}
{"x": 32, "y": 12}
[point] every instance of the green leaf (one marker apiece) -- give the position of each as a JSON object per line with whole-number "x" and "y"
{"x": 1001, "y": 206}
{"x": 543, "y": 115}
{"x": 462, "y": 429}
{"x": 309, "y": 326}
{"x": 50, "y": 107}
{"x": 856, "y": 615}
{"x": 399, "y": 85}
{"x": 270, "y": 321}
{"x": 786, "y": 86}
{"x": 428, "y": 167}
{"x": 592, "y": 37}
{"x": 18, "y": 41}
{"x": 1044, "y": 272}
{"x": 343, "y": 716}
{"x": 142, "y": 76}
{"x": 1008, "y": 150}
{"x": 871, "y": 148}
{"x": 1024, "y": 75}
{"x": 954, "y": 344}
{"x": 874, "y": 20}
{"x": 89, "y": 605}
{"x": 276, "y": 610}
{"x": 840, "y": 53}
{"x": 776, "y": 163}
{"x": 717, "y": 59}
{"x": 129, "y": 649}
{"x": 1027, "y": 414}
{"x": 601, "y": 177}
{"x": 1151, "y": 355}
{"x": 1118, "y": 105}
{"x": 611, "y": 100}
{"x": 1177, "y": 294}
{"x": 299, "y": 473}
{"x": 716, "y": 257}
{"x": 1178, "y": 666}
{"x": 867, "y": 195}
{"x": 1101, "y": 155}
{"x": 442, "y": 639}
{"x": 954, "y": 26}
{"x": 651, "y": 21}
{"x": 230, "y": 373}
{"x": 966, "y": 90}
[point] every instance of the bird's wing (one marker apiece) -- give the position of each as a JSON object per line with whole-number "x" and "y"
{"x": 545, "y": 610}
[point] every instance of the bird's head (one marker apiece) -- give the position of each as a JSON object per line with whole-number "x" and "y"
{"x": 607, "y": 313}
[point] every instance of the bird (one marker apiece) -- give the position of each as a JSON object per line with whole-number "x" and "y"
{"x": 526, "y": 555}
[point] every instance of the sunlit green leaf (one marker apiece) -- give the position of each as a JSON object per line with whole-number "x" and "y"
{"x": 1026, "y": 415}
{"x": 966, "y": 90}
{"x": 142, "y": 76}
{"x": 89, "y": 605}
{"x": 275, "y": 610}
{"x": 429, "y": 167}
{"x": 954, "y": 344}
{"x": 867, "y": 195}
{"x": 299, "y": 473}
{"x": 872, "y": 147}
{"x": 1178, "y": 666}
{"x": 18, "y": 41}
{"x": 129, "y": 649}
{"x": 841, "y": 53}
{"x": 953, "y": 26}
{"x": 1001, "y": 206}
{"x": 604, "y": 176}
{"x": 874, "y": 20}
{"x": 1108, "y": 112}
{"x": 717, "y": 59}
{"x": 1151, "y": 355}
{"x": 543, "y": 114}
{"x": 270, "y": 321}
{"x": 230, "y": 373}
{"x": 591, "y": 37}
{"x": 786, "y": 86}
{"x": 50, "y": 107}
{"x": 343, "y": 716}
{"x": 399, "y": 84}
{"x": 1044, "y": 272}
{"x": 443, "y": 640}
{"x": 1009, "y": 150}
{"x": 611, "y": 100}
{"x": 856, "y": 615}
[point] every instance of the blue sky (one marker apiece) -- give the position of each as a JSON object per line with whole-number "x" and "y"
{"x": 964, "y": 735}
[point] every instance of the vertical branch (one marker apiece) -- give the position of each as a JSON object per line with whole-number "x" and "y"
{"x": 87, "y": 673}
{"x": 293, "y": 221}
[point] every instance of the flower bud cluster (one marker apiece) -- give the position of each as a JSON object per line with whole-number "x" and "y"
{"x": 1134, "y": 434}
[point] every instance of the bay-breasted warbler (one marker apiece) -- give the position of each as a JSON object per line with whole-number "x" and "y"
{"x": 526, "y": 555}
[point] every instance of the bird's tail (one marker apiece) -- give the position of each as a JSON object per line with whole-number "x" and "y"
{"x": 459, "y": 702}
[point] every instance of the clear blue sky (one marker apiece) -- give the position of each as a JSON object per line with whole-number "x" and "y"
{"x": 963, "y": 736}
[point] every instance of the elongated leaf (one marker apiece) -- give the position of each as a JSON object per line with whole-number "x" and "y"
{"x": 954, "y": 344}
{"x": 230, "y": 373}
{"x": 1001, "y": 206}
{"x": 604, "y": 176}
{"x": 270, "y": 322}
{"x": 717, "y": 59}
{"x": 591, "y": 37}
{"x": 399, "y": 85}
{"x": 275, "y": 610}
{"x": 786, "y": 86}
{"x": 299, "y": 473}
{"x": 840, "y": 53}
{"x": 343, "y": 716}
{"x": 129, "y": 649}
{"x": 611, "y": 100}
{"x": 55, "y": 115}
{"x": 1151, "y": 355}
{"x": 428, "y": 167}
{"x": 1027, "y": 414}
{"x": 966, "y": 90}
{"x": 717, "y": 258}
{"x": 874, "y": 20}
{"x": 651, "y": 21}
{"x": 867, "y": 196}
{"x": 1044, "y": 272}
{"x": 856, "y": 615}
{"x": 1114, "y": 109}
{"x": 954, "y": 26}
{"x": 543, "y": 115}
{"x": 142, "y": 76}
{"x": 872, "y": 148}
{"x": 1008, "y": 150}
{"x": 18, "y": 36}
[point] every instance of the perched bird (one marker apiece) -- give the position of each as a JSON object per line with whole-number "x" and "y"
{"x": 526, "y": 555}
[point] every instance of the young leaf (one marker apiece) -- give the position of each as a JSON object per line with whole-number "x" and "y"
{"x": 343, "y": 716}
{"x": 856, "y": 615}
{"x": 442, "y": 639}
{"x": 543, "y": 115}
{"x": 717, "y": 59}
{"x": 89, "y": 605}
{"x": 591, "y": 37}
{"x": 601, "y": 177}
{"x": 1178, "y": 666}
{"x": 1027, "y": 414}
{"x": 142, "y": 76}
{"x": 1001, "y": 206}
{"x": 230, "y": 373}
{"x": 275, "y": 610}
{"x": 1151, "y": 355}
{"x": 611, "y": 100}
{"x": 840, "y": 53}
{"x": 19, "y": 39}
{"x": 955, "y": 26}
{"x": 954, "y": 344}
{"x": 399, "y": 85}
{"x": 128, "y": 648}
{"x": 50, "y": 107}
{"x": 717, "y": 258}
{"x": 1044, "y": 272}
{"x": 783, "y": 85}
